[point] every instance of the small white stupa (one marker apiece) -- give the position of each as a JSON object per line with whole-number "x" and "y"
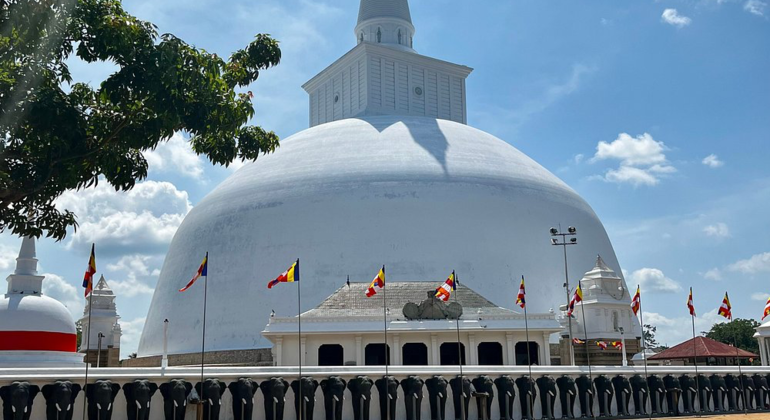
{"x": 35, "y": 330}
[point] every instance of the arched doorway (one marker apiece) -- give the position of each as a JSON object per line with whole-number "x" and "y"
{"x": 374, "y": 354}
{"x": 521, "y": 353}
{"x": 448, "y": 354}
{"x": 414, "y": 354}
{"x": 490, "y": 353}
{"x": 330, "y": 355}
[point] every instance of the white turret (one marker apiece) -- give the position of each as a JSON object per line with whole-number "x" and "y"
{"x": 103, "y": 321}
{"x": 35, "y": 330}
{"x": 385, "y": 22}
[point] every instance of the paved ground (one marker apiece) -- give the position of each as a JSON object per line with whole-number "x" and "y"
{"x": 734, "y": 416}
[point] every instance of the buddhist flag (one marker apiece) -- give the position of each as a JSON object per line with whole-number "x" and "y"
{"x": 88, "y": 278}
{"x": 602, "y": 345}
{"x": 726, "y": 310}
{"x": 577, "y": 297}
{"x": 445, "y": 290}
{"x": 377, "y": 283}
{"x": 520, "y": 298}
{"x": 636, "y": 302}
{"x": 202, "y": 271}
{"x": 767, "y": 309}
{"x": 289, "y": 276}
{"x": 690, "y": 305}
{"x": 617, "y": 344}
{"x": 578, "y": 341}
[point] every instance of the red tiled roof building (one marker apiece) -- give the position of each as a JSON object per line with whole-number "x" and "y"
{"x": 709, "y": 352}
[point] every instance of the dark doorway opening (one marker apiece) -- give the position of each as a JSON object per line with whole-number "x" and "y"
{"x": 490, "y": 353}
{"x": 448, "y": 353}
{"x": 521, "y": 353}
{"x": 330, "y": 355}
{"x": 374, "y": 354}
{"x": 415, "y": 354}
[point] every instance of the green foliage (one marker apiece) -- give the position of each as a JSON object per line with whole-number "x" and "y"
{"x": 59, "y": 136}
{"x": 649, "y": 337}
{"x": 739, "y": 331}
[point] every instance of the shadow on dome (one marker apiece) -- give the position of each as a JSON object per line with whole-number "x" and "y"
{"x": 424, "y": 131}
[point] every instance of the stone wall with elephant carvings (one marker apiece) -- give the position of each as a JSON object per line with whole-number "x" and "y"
{"x": 151, "y": 393}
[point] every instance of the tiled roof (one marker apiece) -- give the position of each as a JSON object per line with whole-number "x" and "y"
{"x": 352, "y": 300}
{"x": 704, "y": 347}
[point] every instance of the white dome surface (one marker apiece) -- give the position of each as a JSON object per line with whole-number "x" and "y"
{"x": 420, "y": 195}
{"x": 34, "y": 313}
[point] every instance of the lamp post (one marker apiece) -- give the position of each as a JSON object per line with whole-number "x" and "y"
{"x": 571, "y": 232}
{"x": 623, "y": 346}
{"x": 99, "y": 349}
{"x": 164, "y": 360}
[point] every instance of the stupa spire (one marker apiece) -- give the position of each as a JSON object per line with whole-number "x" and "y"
{"x": 25, "y": 279}
{"x": 387, "y": 22}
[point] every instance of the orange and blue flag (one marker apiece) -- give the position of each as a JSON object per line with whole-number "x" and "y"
{"x": 577, "y": 297}
{"x": 521, "y": 297}
{"x": 377, "y": 283}
{"x": 767, "y": 309}
{"x": 289, "y": 276}
{"x": 88, "y": 278}
{"x": 690, "y": 304}
{"x": 202, "y": 271}
{"x": 636, "y": 302}
{"x": 602, "y": 345}
{"x": 446, "y": 289}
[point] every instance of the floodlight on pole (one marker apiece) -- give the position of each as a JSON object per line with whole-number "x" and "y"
{"x": 571, "y": 231}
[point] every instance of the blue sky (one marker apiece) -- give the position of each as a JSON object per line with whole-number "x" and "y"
{"x": 656, "y": 112}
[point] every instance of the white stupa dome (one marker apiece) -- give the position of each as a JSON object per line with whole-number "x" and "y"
{"x": 35, "y": 330}
{"x": 423, "y": 196}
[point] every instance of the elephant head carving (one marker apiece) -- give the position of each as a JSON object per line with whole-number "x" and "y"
{"x": 274, "y": 391}
{"x": 361, "y": 390}
{"x": 657, "y": 393}
{"x": 462, "y": 389}
{"x": 640, "y": 391}
{"x": 17, "y": 400}
{"x": 387, "y": 388}
{"x": 604, "y": 393}
{"x": 585, "y": 395}
{"x": 308, "y": 386}
{"x": 101, "y": 396}
{"x": 689, "y": 390}
{"x": 747, "y": 384}
{"x": 138, "y": 397}
{"x": 334, "y": 395}
{"x": 211, "y": 391}
{"x": 547, "y": 387}
{"x": 719, "y": 391}
{"x": 412, "y": 387}
{"x": 243, "y": 391}
{"x": 506, "y": 393}
{"x": 437, "y": 394}
{"x": 734, "y": 389}
{"x": 567, "y": 395}
{"x": 760, "y": 391}
{"x": 485, "y": 393}
{"x": 527, "y": 395}
{"x": 622, "y": 393}
{"x": 60, "y": 399}
{"x": 175, "y": 393}
{"x": 704, "y": 392}
{"x": 673, "y": 389}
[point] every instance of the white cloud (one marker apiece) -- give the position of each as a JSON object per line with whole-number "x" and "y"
{"x": 8, "y": 257}
{"x": 760, "y": 296}
{"x": 579, "y": 158}
{"x": 129, "y": 341}
{"x": 642, "y": 160}
{"x": 176, "y": 156}
{"x": 712, "y": 161}
{"x": 670, "y": 330}
{"x": 713, "y": 274}
{"x": 56, "y": 287}
{"x": 653, "y": 280}
{"x": 755, "y": 264}
{"x": 672, "y": 17}
{"x": 755, "y": 7}
{"x": 134, "y": 268}
{"x": 143, "y": 219}
{"x": 718, "y": 230}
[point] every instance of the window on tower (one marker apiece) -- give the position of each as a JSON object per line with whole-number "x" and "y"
{"x": 399, "y": 37}
{"x": 379, "y": 35}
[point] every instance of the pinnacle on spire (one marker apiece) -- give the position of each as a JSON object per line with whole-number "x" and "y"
{"x": 601, "y": 264}
{"x": 26, "y": 263}
{"x": 373, "y": 9}
{"x": 102, "y": 284}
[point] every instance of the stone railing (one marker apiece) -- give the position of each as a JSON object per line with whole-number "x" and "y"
{"x": 674, "y": 388}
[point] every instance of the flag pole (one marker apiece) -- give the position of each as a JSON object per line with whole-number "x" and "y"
{"x": 457, "y": 323}
{"x": 644, "y": 343}
{"x": 300, "y": 405}
{"x": 737, "y": 358}
{"x": 588, "y": 356}
{"x": 529, "y": 361}
{"x": 385, "y": 344}
{"x": 203, "y": 338}
{"x": 695, "y": 361}
{"x": 88, "y": 343}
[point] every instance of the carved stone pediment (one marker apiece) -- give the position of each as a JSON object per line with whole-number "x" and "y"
{"x": 432, "y": 308}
